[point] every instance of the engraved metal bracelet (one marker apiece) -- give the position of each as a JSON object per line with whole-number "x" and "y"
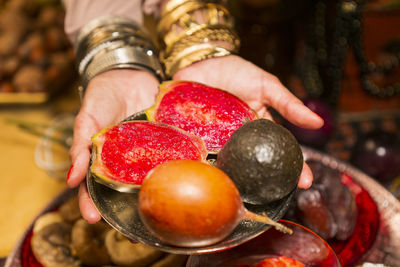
{"x": 113, "y": 43}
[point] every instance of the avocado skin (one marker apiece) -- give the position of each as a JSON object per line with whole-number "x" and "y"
{"x": 263, "y": 159}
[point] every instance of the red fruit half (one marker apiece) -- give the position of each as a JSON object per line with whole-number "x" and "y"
{"x": 207, "y": 112}
{"x": 123, "y": 154}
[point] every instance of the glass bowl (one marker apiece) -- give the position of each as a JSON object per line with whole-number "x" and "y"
{"x": 303, "y": 245}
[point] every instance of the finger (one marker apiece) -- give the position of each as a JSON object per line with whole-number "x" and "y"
{"x": 84, "y": 129}
{"x": 88, "y": 210}
{"x": 264, "y": 113}
{"x": 306, "y": 177}
{"x": 79, "y": 167}
{"x": 288, "y": 105}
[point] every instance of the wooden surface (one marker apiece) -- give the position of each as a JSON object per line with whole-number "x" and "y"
{"x": 25, "y": 189}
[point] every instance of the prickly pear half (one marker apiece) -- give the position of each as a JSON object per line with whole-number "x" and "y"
{"x": 123, "y": 154}
{"x": 210, "y": 113}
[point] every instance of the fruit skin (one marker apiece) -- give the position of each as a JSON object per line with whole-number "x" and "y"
{"x": 328, "y": 207}
{"x": 281, "y": 261}
{"x": 210, "y": 113}
{"x": 263, "y": 159}
{"x": 122, "y": 154}
{"x": 189, "y": 203}
{"x": 87, "y": 242}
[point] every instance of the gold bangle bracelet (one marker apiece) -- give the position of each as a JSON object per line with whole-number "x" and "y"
{"x": 206, "y": 34}
{"x": 192, "y": 55}
{"x": 205, "y": 43}
{"x": 193, "y": 30}
{"x": 181, "y": 16}
{"x": 218, "y": 19}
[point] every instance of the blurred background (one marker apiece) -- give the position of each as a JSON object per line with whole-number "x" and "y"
{"x": 342, "y": 58}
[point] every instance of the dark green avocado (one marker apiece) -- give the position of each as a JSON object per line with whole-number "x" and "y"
{"x": 263, "y": 159}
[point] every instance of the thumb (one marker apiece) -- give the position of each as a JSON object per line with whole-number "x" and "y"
{"x": 84, "y": 128}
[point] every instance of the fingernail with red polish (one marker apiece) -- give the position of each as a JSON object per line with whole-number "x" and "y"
{"x": 69, "y": 172}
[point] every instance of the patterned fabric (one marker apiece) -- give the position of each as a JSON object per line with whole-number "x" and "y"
{"x": 80, "y": 12}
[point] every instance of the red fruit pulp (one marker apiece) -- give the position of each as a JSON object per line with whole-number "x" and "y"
{"x": 207, "y": 112}
{"x": 128, "y": 151}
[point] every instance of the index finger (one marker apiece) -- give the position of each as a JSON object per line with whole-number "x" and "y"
{"x": 288, "y": 105}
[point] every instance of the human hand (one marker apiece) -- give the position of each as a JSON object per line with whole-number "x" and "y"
{"x": 109, "y": 98}
{"x": 258, "y": 89}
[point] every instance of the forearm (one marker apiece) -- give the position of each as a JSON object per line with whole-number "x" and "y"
{"x": 80, "y": 12}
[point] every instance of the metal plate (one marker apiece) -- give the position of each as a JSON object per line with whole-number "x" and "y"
{"x": 120, "y": 211}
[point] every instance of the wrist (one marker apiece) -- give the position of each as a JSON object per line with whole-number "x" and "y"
{"x": 123, "y": 81}
{"x": 205, "y": 69}
{"x": 132, "y": 89}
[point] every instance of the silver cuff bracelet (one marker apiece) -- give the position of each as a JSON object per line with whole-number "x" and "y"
{"x": 113, "y": 43}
